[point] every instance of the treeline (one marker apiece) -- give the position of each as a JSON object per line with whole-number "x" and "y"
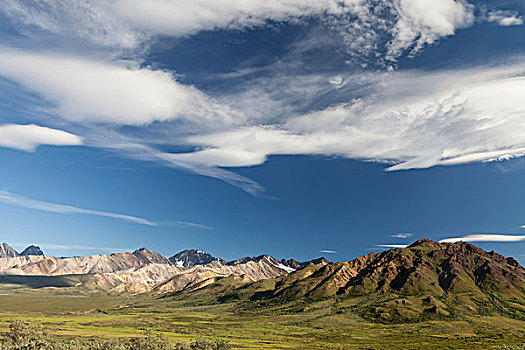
{"x": 26, "y": 335}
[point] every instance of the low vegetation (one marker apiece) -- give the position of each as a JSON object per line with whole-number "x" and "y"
{"x": 27, "y": 335}
{"x": 110, "y": 322}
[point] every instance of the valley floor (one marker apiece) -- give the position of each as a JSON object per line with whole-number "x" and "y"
{"x": 319, "y": 325}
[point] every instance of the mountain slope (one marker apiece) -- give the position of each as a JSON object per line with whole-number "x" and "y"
{"x": 143, "y": 270}
{"x": 32, "y": 250}
{"x": 6, "y": 251}
{"x": 425, "y": 280}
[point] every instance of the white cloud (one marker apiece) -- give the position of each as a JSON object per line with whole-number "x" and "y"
{"x": 178, "y": 17}
{"x": 402, "y": 235}
{"x": 415, "y": 22}
{"x": 485, "y": 238}
{"x": 505, "y": 18}
{"x": 14, "y": 199}
{"x": 129, "y": 23}
{"x": 96, "y": 91}
{"x": 392, "y": 245}
{"x": 29, "y": 137}
{"x": 54, "y": 246}
{"x": 328, "y": 251}
{"x": 84, "y": 19}
{"x": 425, "y": 21}
{"x": 410, "y": 120}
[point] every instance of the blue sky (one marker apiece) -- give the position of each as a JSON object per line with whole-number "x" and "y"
{"x": 292, "y": 128}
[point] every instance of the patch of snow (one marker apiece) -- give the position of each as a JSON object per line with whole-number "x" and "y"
{"x": 285, "y": 268}
{"x": 179, "y": 263}
{"x": 280, "y": 266}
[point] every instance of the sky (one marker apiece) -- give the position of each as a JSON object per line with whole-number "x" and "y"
{"x": 283, "y": 127}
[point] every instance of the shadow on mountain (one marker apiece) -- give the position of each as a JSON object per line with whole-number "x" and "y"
{"x": 36, "y": 282}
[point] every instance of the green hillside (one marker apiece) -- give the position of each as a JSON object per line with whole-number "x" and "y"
{"x": 426, "y": 280}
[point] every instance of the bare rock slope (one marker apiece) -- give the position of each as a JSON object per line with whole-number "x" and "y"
{"x": 141, "y": 271}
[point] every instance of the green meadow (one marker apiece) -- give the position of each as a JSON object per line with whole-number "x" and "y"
{"x": 327, "y": 324}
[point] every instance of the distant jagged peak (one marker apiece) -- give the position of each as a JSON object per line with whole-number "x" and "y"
{"x": 6, "y": 251}
{"x": 32, "y": 250}
{"x": 425, "y": 242}
{"x": 149, "y": 256}
{"x": 294, "y": 264}
{"x": 193, "y": 257}
{"x": 252, "y": 258}
{"x": 320, "y": 261}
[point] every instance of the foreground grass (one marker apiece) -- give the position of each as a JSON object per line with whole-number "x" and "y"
{"x": 321, "y": 325}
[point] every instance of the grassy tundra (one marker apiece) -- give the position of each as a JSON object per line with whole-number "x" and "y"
{"x": 97, "y": 322}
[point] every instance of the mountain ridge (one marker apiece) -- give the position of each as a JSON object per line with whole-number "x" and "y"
{"x": 139, "y": 271}
{"x": 425, "y": 280}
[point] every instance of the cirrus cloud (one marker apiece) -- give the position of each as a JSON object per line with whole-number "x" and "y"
{"x": 127, "y": 24}
{"x": 410, "y": 120}
{"x": 485, "y": 238}
{"x": 505, "y": 18}
{"x": 15, "y": 199}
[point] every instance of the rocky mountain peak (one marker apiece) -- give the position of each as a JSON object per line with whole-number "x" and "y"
{"x": 424, "y": 242}
{"x": 6, "y": 251}
{"x": 252, "y": 258}
{"x": 296, "y": 265}
{"x": 149, "y": 256}
{"x": 32, "y": 250}
{"x": 193, "y": 257}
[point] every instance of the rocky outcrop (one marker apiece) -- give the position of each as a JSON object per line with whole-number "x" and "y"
{"x": 6, "y": 251}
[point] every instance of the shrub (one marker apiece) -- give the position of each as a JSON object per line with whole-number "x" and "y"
{"x": 26, "y": 335}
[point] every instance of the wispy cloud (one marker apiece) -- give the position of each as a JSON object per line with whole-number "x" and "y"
{"x": 14, "y": 199}
{"x": 392, "y": 245}
{"x": 460, "y": 111}
{"x": 328, "y": 251}
{"x": 402, "y": 235}
{"x": 505, "y": 18}
{"x": 485, "y": 238}
{"x": 185, "y": 224}
{"x": 53, "y": 246}
{"x": 129, "y": 23}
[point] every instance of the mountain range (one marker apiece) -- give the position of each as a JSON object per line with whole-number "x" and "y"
{"x": 142, "y": 270}
{"x": 7, "y": 251}
{"x": 424, "y": 280}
